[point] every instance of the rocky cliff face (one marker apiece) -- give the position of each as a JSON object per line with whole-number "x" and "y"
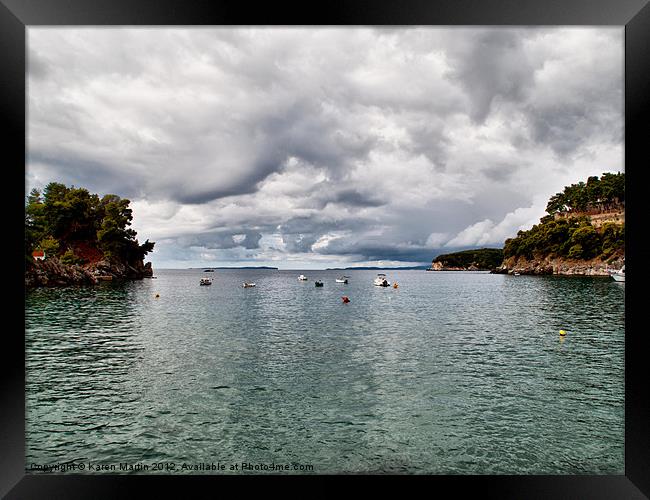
{"x": 51, "y": 272}
{"x": 558, "y": 265}
{"x": 443, "y": 266}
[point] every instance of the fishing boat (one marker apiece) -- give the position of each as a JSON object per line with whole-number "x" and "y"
{"x": 318, "y": 283}
{"x": 302, "y": 277}
{"x": 618, "y": 275}
{"x": 342, "y": 279}
{"x": 205, "y": 281}
{"x": 381, "y": 280}
{"x": 245, "y": 284}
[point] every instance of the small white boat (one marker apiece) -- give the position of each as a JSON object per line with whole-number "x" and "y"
{"x": 245, "y": 284}
{"x": 516, "y": 274}
{"x": 381, "y": 280}
{"x": 618, "y": 275}
{"x": 205, "y": 281}
{"x": 342, "y": 279}
{"x": 302, "y": 277}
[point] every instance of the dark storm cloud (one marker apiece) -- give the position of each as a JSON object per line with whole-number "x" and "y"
{"x": 563, "y": 129}
{"x": 492, "y": 63}
{"x": 251, "y": 240}
{"x": 353, "y": 198}
{"x": 219, "y": 240}
{"x": 37, "y": 67}
{"x": 429, "y": 139}
{"x": 96, "y": 176}
{"x": 366, "y": 144}
{"x": 374, "y": 250}
{"x": 500, "y": 172}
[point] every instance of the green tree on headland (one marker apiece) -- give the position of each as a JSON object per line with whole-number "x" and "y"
{"x": 482, "y": 258}
{"x": 600, "y": 194}
{"x": 62, "y": 218}
{"x": 575, "y": 237}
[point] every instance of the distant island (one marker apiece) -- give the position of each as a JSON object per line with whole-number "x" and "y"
{"x": 583, "y": 233}
{"x": 484, "y": 259}
{"x": 73, "y": 237}
{"x": 243, "y": 267}
{"x": 365, "y": 268}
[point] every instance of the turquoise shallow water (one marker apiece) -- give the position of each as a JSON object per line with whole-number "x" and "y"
{"x": 451, "y": 373}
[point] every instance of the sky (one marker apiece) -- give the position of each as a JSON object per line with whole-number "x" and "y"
{"x": 306, "y": 148}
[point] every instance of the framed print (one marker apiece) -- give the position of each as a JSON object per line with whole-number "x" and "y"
{"x": 372, "y": 240}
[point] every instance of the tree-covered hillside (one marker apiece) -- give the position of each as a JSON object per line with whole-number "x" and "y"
{"x": 575, "y": 237}
{"x": 484, "y": 258}
{"x": 79, "y": 227}
{"x": 602, "y": 193}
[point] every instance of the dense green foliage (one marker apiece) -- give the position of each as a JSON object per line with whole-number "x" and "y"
{"x": 484, "y": 258}
{"x": 61, "y": 219}
{"x": 575, "y": 237}
{"x": 572, "y": 238}
{"x": 597, "y": 194}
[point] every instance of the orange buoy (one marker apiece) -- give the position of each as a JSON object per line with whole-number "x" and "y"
{"x": 345, "y": 299}
{"x": 395, "y": 285}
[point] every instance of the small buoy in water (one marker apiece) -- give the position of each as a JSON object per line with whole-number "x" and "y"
{"x": 157, "y": 295}
{"x": 395, "y": 285}
{"x": 562, "y": 333}
{"x": 345, "y": 299}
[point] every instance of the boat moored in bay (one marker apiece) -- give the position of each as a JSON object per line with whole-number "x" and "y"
{"x": 618, "y": 275}
{"x": 381, "y": 280}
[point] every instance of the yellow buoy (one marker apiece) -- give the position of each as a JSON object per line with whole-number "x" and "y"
{"x": 562, "y": 333}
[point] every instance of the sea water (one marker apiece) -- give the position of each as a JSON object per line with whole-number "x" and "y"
{"x": 450, "y": 373}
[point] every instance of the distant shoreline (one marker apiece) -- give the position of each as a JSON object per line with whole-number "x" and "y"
{"x": 245, "y": 267}
{"x": 410, "y": 268}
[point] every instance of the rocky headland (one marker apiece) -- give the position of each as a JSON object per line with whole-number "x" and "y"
{"x": 52, "y": 272}
{"x": 483, "y": 259}
{"x": 560, "y": 266}
{"x": 73, "y": 237}
{"x": 583, "y": 233}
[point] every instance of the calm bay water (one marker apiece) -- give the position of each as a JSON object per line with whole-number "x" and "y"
{"x": 451, "y": 373}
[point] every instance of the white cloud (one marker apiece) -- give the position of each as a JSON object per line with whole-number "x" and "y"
{"x": 327, "y": 145}
{"x": 487, "y": 232}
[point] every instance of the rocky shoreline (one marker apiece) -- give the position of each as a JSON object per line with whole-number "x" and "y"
{"x": 51, "y": 272}
{"x": 559, "y": 266}
{"x": 444, "y": 268}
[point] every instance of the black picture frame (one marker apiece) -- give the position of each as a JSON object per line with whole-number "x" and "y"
{"x": 634, "y": 15}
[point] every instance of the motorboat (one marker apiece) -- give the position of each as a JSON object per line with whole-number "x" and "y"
{"x": 618, "y": 275}
{"x": 381, "y": 280}
{"x": 205, "y": 281}
{"x": 318, "y": 283}
{"x": 302, "y": 277}
{"x": 245, "y": 284}
{"x": 342, "y": 279}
